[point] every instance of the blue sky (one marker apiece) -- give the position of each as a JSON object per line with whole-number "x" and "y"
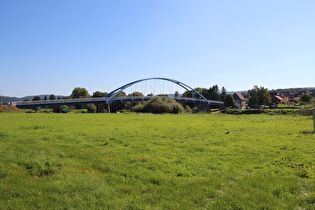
{"x": 52, "y": 46}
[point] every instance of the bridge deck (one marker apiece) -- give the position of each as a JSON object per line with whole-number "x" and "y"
{"x": 60, "y": 102}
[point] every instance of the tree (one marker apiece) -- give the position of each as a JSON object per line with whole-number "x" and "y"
{"x": 121, "y": 94}
{"x": 79, "y": 93}
{"x": 229, "y": 101}
{"x": 306, "y": 98}
{"x": 45, "y": 98}
{"x": 214, "y": 93}
{"x": 52, "y": 97}
{"x": 98, "y": 94}
{"x": 187, "y": 94}
{"x": 176, "y": 95}
{"x": 36, "y": 98}
{"x": 223, "y": 93}
{"x": 136, "y": 94}
{"x": 202, "y": 91}
{"x": 258, "y": 96}
{"x": 114, "y": 107}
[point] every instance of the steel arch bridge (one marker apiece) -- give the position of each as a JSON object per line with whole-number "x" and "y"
{"x": 192, "y": 91}
{"x": 112, "y": 97}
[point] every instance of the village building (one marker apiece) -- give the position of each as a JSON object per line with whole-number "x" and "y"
{"x": 240, "y": 101}
{"x": 277, "y": 99}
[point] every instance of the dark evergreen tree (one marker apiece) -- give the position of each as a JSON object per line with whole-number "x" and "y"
{"x": 223, "y": 93}
{"x": 214, "y": 93}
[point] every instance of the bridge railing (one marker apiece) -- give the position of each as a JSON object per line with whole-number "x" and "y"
{"x": 59, "y": 102}
{"x": 146, "y": 98}
{"x": 78, "y": 100}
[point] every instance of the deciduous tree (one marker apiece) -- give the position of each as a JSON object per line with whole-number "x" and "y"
{"x": 258, "y": 96}
{"x": 229, "y": 101}
{"x": 79, "y": 92}
{"x": 52, "y": 97}
{"x": 136, "y": 94}
{"x": 98, "y": 94}
{"x": 306, "y": 98}
{"x": 36, "y": 98}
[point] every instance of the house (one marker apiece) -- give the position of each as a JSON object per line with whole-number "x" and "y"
{"x": 239, "y": 99}
{"x": 275, "y": 98}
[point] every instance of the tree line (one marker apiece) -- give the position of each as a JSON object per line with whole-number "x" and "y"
{"x": 256, "y": 96}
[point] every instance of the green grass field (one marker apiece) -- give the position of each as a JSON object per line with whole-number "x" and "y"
{"x": 145, "y": 161}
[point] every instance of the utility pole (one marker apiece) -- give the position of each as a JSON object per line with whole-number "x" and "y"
{"x": 313, "y": 117}
{"x": 1, "y": 97}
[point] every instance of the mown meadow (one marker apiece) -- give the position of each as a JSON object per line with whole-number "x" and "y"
{"x": 146, "y": 161}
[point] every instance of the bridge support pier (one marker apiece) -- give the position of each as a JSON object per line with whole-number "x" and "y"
{"x": 204, "y": 108}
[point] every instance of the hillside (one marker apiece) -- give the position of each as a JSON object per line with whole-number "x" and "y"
{"x": 7, "y": 99}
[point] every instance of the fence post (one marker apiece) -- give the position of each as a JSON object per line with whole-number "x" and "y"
{"x": 313, "y": 117}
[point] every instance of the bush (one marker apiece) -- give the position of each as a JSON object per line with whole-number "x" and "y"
{"x": 91, "y": 108}
{"x": 158, "y": 105}
{"x": 188, "y": 109}
{"x": 259, "y": 111}
{"x": 247, "y": 111}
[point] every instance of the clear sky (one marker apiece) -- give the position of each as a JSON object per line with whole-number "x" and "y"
{"x": 53, "y": 46}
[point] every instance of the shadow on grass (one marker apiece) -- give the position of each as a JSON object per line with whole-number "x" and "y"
{"x": 307, "y": 132}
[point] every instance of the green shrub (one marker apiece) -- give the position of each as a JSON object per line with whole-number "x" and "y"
{"x": 159, "y": 105}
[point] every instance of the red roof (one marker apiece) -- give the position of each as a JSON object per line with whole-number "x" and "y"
{"x": 279, "y": 98}
{"x": 240, "y": 96}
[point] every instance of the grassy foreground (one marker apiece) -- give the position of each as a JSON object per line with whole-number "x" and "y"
{"x": 143, "y": 161}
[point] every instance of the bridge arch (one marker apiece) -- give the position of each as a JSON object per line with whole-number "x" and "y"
{"x": 181, "y": 84}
